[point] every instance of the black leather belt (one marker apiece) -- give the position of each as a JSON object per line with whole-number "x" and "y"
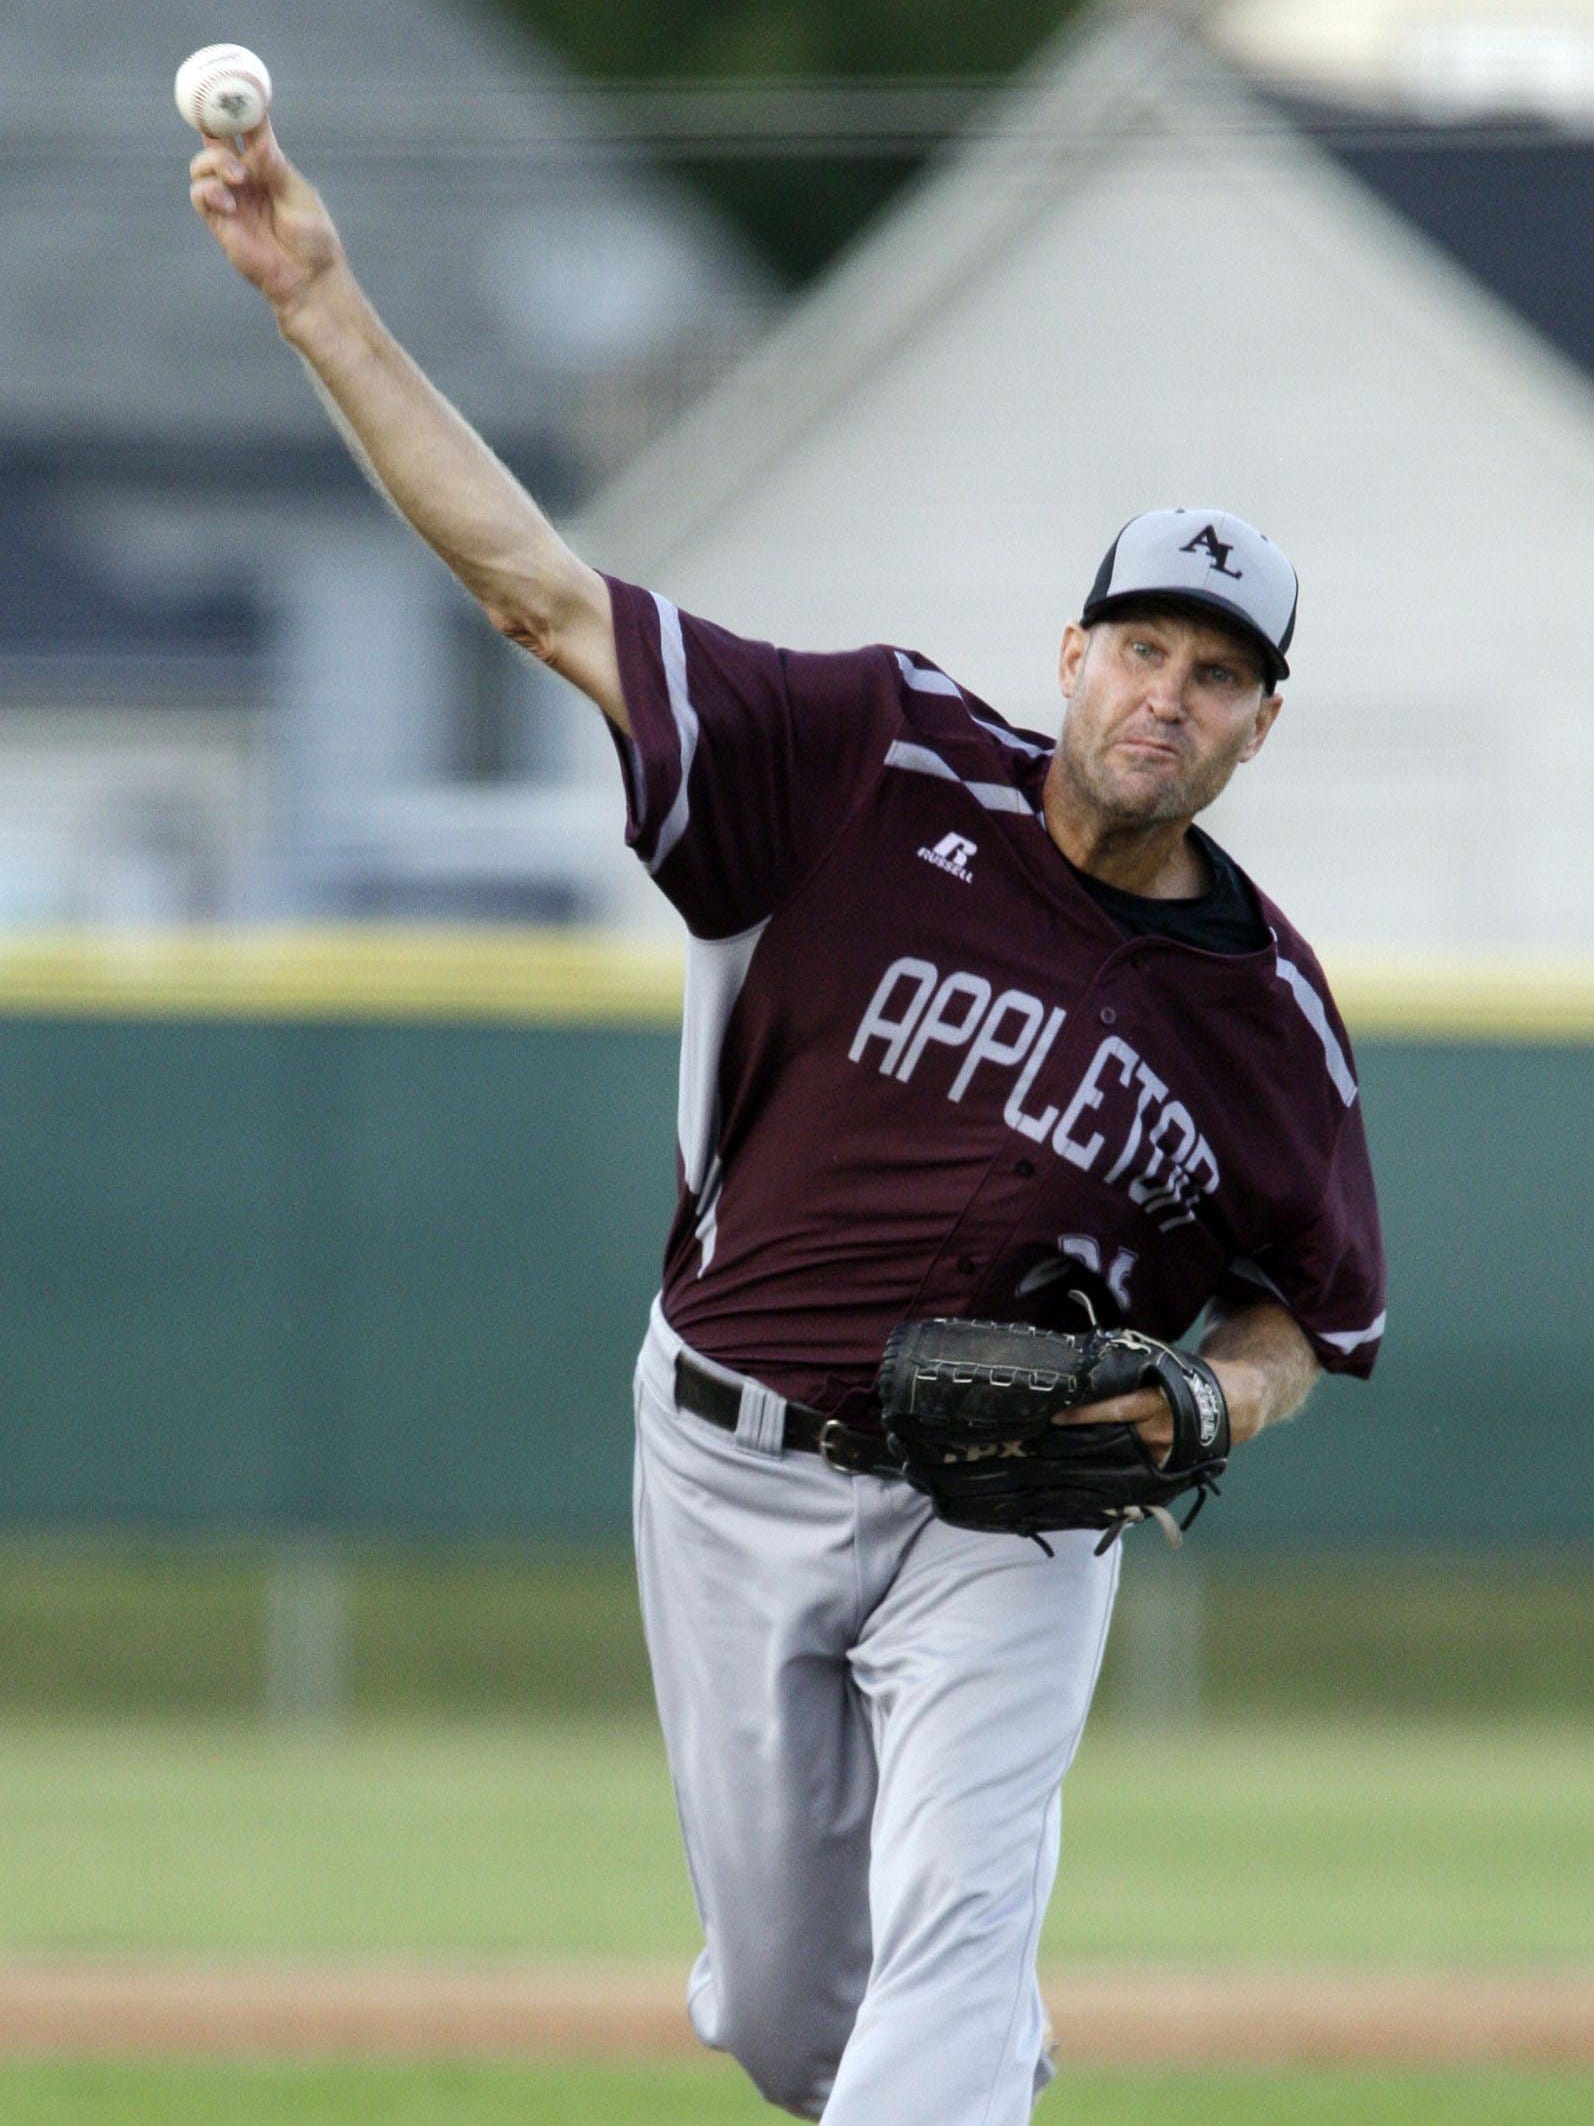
{"x": 806, "y": 1431}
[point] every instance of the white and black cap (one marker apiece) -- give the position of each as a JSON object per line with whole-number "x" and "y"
{"x": 1203, "y": 557}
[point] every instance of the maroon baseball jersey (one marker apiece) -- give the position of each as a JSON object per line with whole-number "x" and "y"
{"x": 922, "y": 1071}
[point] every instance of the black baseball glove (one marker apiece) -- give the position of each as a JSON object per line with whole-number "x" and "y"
{"x": 968, "y": 1409}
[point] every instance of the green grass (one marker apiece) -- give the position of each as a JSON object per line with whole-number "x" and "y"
{"x": 547, "y": 1840}
{"x": 1390, "y": 1843}
{"x": 97, "y": 1625}
{"x": 713, "y": 2094}
{"x": 1418, "y": 1842}
{"x": 1462, "y": 1634}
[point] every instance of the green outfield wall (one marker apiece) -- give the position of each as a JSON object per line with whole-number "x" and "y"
{"x": 357, "y": 1233}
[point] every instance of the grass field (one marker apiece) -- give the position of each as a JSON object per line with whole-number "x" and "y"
{"x": 99, "y": 1625}
{"x": 1419, "y": 1842}
{"x": 715, "y": 2095}
{"x": 1437, "y": 1811}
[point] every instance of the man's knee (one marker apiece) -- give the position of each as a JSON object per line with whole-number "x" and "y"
{"x": 789, "y": 2069}
{"x": 804, "y": 2094}
{"x": 787, "y": 2042}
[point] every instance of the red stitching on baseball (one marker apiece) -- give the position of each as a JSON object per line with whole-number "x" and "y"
{"x": 229, "y": 73}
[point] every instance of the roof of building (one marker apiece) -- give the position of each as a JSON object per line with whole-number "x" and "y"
{"x": 1136, "y": 283}
{"x": 1512, "y": 201}
{"x": 1115, "y": 78}
{"x": 1473, "y": 118}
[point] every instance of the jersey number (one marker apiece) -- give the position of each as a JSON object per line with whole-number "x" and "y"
{"x": 1088, "y": 1251}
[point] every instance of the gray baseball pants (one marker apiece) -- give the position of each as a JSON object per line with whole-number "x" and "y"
{"x": 868, "y": 1716}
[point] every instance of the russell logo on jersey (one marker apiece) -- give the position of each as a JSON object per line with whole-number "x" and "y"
{"x": 953, "y": 854}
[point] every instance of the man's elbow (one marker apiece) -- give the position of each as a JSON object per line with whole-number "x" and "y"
{"x": 528, "y": 630}
{"x": 553, "y": 614}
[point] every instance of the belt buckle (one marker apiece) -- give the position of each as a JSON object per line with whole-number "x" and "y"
{"x": 832, "y": 1434}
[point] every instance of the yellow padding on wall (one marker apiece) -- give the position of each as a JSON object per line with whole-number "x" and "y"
{"x": 351, "y": 972}
{"x": 553, "y": 977}
{"x": 1480, "y": 997}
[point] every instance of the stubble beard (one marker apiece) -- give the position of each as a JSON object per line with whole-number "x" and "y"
{"x": 1180, "y": 796}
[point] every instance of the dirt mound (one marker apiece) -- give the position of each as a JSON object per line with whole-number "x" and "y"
{"x": 1143, "y": 2016}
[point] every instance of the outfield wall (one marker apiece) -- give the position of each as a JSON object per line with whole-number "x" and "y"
{"x": 358, "y": 1232}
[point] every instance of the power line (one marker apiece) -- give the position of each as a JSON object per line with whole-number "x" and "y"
{"x": 869, "y": 118}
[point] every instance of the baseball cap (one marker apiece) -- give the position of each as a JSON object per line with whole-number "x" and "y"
{"x": 1203, "y": 557}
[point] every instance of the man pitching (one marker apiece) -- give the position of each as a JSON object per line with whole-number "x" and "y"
{"x": 976, "y": 1026}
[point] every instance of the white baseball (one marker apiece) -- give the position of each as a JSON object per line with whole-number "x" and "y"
{"x": 223, "y": 90}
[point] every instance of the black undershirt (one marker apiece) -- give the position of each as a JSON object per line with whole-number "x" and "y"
{"x": 1225, "y": 918}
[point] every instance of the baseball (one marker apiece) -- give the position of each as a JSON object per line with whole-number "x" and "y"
{"x": 223, "y": 90}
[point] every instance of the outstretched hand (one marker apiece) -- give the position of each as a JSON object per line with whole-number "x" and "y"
{"x": 267, "y": 218}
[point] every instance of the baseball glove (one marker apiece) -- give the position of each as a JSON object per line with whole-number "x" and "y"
{"x": 968, "y": 1409}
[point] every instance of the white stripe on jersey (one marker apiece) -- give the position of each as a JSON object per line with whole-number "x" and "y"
{"x": 927, "y": 680}
{"x": 1248, "y": 1270}
{"x": 1348, "y": 1340}
{"x": 716, "y": 968}
{"x": 673, "y": 650}
{"x": 1316, "y": 1015}
{"x": 1011, "y": 738}
{"x": 708, "y": 1223}
{"x": 994, "y": 796}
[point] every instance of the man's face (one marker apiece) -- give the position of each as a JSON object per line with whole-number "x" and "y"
{"x": 1161, "y": 710}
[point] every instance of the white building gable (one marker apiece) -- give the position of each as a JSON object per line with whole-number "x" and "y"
{"x": 1140, "y": 288}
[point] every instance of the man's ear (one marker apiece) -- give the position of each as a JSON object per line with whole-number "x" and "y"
{"x": 1266, "y": 717}
{"x": 1076, "y": 641}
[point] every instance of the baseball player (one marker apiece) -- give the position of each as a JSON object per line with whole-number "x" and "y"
{"x": 976, "y": 1025}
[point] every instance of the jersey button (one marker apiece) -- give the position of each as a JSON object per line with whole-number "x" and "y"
{"x": 966, "y": 1266}
{"x": 1025, "y": 1169}
{"x": 1108, "y": 1016}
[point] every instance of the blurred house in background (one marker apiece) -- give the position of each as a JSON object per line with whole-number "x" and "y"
{"x": 1150, "y": 276}
{"x": 230, "y": 684}
{"x": 1322, "y": 265}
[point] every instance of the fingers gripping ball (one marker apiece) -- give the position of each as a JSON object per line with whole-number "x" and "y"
{"x": 969, "y": 1410}
{"x": 223, "y": 90}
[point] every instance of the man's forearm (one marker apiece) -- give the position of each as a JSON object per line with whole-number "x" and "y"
{"x": 1266, "y": 1366}
{"x": 425, "y": 457}
{"x": 429, "y": 461}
